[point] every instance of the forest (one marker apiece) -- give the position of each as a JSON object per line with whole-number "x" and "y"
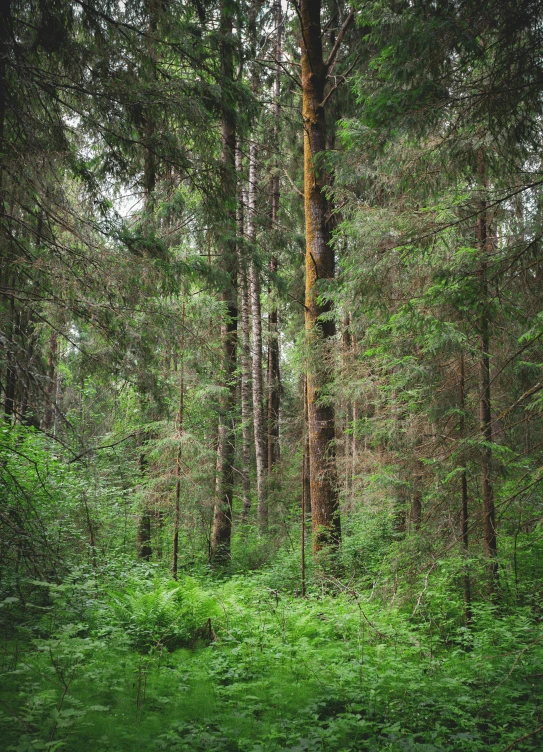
{"x": 271, "y": 375}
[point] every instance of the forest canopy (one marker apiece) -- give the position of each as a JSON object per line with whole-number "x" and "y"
{"x": 271, "y": 375}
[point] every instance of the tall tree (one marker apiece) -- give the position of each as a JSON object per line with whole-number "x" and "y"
{"x": 484, "y": 247}
{"x": 256, "y": 311}
{"x": 222, "y": 523}
{"x": 273, "y": 374}
{"x": 245, "y": 349}
{"x": 319, "y": 265}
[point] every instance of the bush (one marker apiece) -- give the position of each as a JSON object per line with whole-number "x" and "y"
{"x": 162, "y": 614}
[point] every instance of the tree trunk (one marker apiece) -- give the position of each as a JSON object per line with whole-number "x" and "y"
{"x": 415, "y": 513}
{"x": 485, "y": 408}
{"x": 5, "y": 260}
{"x": 258, "y": 390}
{"x": 149, "y": 183}
{"x": 306, "y": 474}
{"x": 11, "y": 364}
{"x": 49, "y": 416}
{"x": 144, "y": 536}
{"x": 319, "y": 266}
{"x": 245, "y": 354}
{"x": 274, "y": 382}
{"x": 180, "y": 417}
{"x": 464, "y": 486}
{"x": 346, "y": 428}
{"x": 222, "y": 518}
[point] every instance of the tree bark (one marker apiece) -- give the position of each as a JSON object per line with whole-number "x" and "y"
{"x": 144, "y": 536}
{"x": 49, "y": 416}
{"x": 245, "y": 350}
{"x": 273, "y": 373}
{"x": 180, "y": 417}
{"x": 485, "y": 406}
{"x": 319, "y": 266}
{"x": 256, "y": 311}
{"x": 222, "y": 518}
{"x": 11, "y": 364}
{"x": 465, "y": 500}
{"x": 306, "y": 474}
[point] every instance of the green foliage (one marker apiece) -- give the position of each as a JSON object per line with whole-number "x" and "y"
{"x": 154, "y": 615}
{"x": 331, "y": 672}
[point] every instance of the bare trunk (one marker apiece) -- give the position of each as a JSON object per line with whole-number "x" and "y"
{"x": 306, "y": 473}
{"x": 485, "y": 408}
{"x": 354, "y": 446}
{"x": 49, "y": 417}
{"x": 274, "y": 383}
{"x": 258, "y": 390}
{"x": 144, "y": 536}
{"x": 306, "y": 489}
{"x": 274, "y": 380}
{"x": 149, "y": 182}
{"x": 465, "y": 508}
{"x": 319, "y": 266}
{"x": 11, "y": 365}
{"x": 416, "y": 506}
{"x": 346, "y": 433}
{"x": 143, "y": 533}
{"x": 245, "y": 350}
{"x": 178, "y": 466}
{"x": 222, "y": 518}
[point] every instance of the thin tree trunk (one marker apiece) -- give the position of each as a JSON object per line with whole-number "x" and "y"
{"x": 305, "y": 455}
{"x": 180, "y": 417}
{"x": 274, "y": 380}
{"x": 345, "y": 357}
{"x": 222, "y": 518}
{"x": 415, "y": 512}
{"x": 245, "y": 397}
{"x": 273, "y": 373}
{"x": 5, "y": 271}
{"x": 354, "y": 446}
{"x": 144, "y": 536}
{"x": 49, "y": 417}
{"x": 143, "y": 533}
{"x": 258, "y": 387}
{"x": 11, "y": 367}
{"x": 302, "y": 542}
{"x": 245, "y": 350}
{"x": 465, "y": 507}
{"x": 485, "y": 406}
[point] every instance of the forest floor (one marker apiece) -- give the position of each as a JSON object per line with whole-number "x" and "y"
{"x": 237, "y": 665}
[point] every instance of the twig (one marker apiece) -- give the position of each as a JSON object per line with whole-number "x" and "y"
{"x": 517, "y": 659}
{"x": 298, "y": 191}
{"x": 522, "y": 738}
{"x": 424, "y": 588}
{"x": 342, "y": 80}
{"x": 105, "y": 446}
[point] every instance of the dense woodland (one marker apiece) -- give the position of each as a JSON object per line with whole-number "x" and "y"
{"x": 271, "y": 375}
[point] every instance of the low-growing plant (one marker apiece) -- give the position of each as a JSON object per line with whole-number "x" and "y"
{"x": 161, "y": 614}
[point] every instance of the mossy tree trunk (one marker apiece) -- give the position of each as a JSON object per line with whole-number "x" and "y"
{"x": 319, "y": 266}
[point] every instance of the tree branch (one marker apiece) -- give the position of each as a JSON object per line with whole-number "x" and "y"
{"x": 522, "y": 738}
{"x": 291, "y": 181}
{"x": 342, "y": 80}
{"x": 97, "y": 448}
{"x": 335, "y": 49}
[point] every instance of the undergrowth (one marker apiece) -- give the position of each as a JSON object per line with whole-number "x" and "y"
{"x": 240, "y": 665}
